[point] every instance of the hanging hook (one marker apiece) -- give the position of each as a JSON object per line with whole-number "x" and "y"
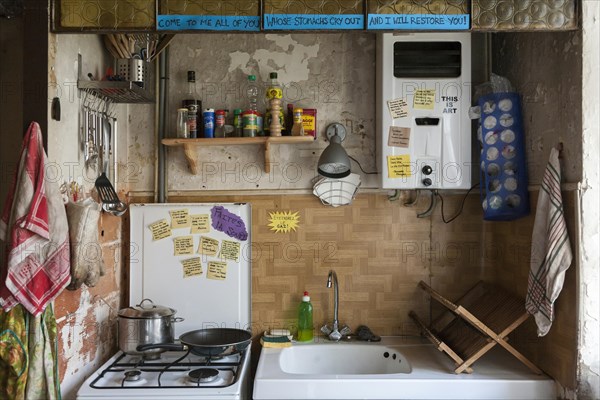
{"x": 560, "y": 146}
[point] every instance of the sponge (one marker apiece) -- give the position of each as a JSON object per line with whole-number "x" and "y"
{"x": 275, "y": 341}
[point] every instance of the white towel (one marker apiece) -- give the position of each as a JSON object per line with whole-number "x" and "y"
{"x": 550, "y": 249}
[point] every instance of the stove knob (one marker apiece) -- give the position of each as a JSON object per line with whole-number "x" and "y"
{"x": 427, "y": 170}
{"x": 427, "y": 182}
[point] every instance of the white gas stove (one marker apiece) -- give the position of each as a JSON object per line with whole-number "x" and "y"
{"x": 215, "y": 293}
{"x": 176, "y": 375}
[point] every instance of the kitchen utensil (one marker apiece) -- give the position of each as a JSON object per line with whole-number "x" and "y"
{"x": 146, "y": 323}
{"x": 109, "y": 46}
{"x": 207, "y": 342}
{"x": 110, "y": 200}
{"x": 116, "y": 46}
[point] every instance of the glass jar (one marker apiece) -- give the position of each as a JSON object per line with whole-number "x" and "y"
{"x": 182, "y": 123}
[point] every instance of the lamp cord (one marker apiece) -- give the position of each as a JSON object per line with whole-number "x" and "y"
{"x": 462, "y": 204}
{"x": 361, "y": 168}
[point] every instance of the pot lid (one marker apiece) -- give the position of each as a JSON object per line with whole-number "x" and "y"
{"x": 146, "y": 309}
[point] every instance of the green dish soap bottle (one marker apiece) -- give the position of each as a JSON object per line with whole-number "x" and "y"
{"x": 305, "y": 319}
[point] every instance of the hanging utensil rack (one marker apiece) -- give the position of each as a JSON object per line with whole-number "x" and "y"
{"x": 118, "y": 91}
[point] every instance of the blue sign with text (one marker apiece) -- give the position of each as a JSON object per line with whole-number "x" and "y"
{"x": 313, "y": 21}
{"x": 208, "y": 23}
{"x": 455, "y": 22}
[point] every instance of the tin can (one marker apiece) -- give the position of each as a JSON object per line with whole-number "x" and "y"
{"x": 250, "y": 129}
{"x": 209, "y": 122}
{"x": 259, "y": 124}
{"x": 220, "y": 124}
{"x": 220, "y": 118}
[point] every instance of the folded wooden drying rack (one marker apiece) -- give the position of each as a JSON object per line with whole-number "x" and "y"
{"x": 482, "y": 318}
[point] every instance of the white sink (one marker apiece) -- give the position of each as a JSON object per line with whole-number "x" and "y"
{"x": 395, "y": 368}
{"x": 342, "y": 359}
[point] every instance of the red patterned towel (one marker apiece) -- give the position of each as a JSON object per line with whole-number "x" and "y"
{"x": 34, "y": 225}
{"x": 550, "y": 249}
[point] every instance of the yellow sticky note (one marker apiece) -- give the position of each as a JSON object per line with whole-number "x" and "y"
{"x": 208, "y": 246}
{"x": 200, "y": 223}
{"x": 230, "y": 250}
{"x": 217, "y": 270}
{"x": 160, "y": 229}
{"x": 398, "y": 166}
{"x": 192, "y": 267}
{"x": 180, "y": 218}
{"x": 424, "y": 99}
{"x": 284, "y": 221}
{"x": 184, "y": 245}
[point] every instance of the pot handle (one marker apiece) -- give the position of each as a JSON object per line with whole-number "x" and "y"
{"x": 142, "y": 302}
{"x": 177, "y": 319}
{"x": 166, "y": 346}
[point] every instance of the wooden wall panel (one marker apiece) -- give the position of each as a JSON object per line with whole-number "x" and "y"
{"x": 369, "y": 245}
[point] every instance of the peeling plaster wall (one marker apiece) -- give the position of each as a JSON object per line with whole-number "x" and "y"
{"x": 560, "y": 106}
{"x": 589, "y": 298}
{"x": 87, "y": 333}
{"x": 545, "y": 68}
{"x": 323, "y": 71}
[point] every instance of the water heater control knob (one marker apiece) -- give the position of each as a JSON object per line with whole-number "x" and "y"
{"x": 427, "y": 182}
{"x": 427, "y": 170}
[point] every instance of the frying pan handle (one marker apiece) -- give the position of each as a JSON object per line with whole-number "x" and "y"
{"x": 165, "y": 346}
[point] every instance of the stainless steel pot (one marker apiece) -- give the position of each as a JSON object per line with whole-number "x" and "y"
{"x": 146, "y": 323}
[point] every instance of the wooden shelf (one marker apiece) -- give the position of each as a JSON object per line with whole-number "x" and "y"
{"x": 190, "y": 146}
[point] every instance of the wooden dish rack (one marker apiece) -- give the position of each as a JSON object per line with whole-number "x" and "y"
{"x": 482, "y": 318}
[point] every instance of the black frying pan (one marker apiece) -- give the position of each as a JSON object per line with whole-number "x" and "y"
{"x": 207, "y": 342}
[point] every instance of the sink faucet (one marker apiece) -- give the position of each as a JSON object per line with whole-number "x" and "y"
{"x": 334, "y": 333}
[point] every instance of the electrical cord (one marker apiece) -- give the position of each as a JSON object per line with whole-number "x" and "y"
{"x": 361, "y": 168}
{"x": 462, "y": 204}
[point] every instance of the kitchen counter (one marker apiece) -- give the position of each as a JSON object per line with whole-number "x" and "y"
{"x": 497, "y": 375}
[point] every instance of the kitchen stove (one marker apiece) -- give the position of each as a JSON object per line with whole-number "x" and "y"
{"x": 175, "y": 375}
{"x": 157, "y": 274}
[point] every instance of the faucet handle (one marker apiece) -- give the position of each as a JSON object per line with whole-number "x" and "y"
{"x": 326, "y": 330}
{"x": 345, "y": 330}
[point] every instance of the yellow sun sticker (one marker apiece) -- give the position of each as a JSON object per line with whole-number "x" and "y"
{"x": 284, "y": 222}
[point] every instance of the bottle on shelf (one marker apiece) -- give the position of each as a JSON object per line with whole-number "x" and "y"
{"x": 298, "y": 128}
{"x": 274, "y": 121}
{"x": 220, "y": 124}
{"x": 209, "y": 122}
{"x": 252, "y": 93}
{"x": 250, "y": 116}
{"x": 305, "y": 319}
{"x": 182, "y": 123}
{"x": 194, "y": 105}
{"x": 237, "y": 122}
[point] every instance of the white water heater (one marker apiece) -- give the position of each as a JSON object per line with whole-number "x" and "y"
{"x": 423, "y": 99}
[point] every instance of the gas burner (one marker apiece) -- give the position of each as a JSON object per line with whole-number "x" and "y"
{"x": 132, "y": 375}
{"x": 203, "y": 375}
{"x": 151, "y": 356}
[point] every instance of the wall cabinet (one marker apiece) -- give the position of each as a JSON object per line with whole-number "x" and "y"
{"x": 99, "y": 15}
{"x": 530, "y": 15}
{"x": 311, "y": 15}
